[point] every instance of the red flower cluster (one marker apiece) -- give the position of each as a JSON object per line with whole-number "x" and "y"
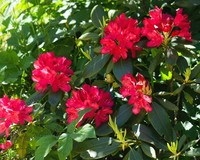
{"x": 53, "y": 71}
{"x": 121, "y": 35}
{"x": 96, "y": 99}
{"x": 13, "y": 111}
{"x": 139, "y": 92}
{"x": 5, "y": 146}
{"x": 160, "y": 28}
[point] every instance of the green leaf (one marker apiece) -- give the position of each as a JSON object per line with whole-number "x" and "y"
{"x": 148, "y": 150}
{"x": 72, "y": 126}
{"x": 181, "y": 141}
{"x": 159, "y": 119}
{"x": 182, "y": 64}
{"x": 178, "y": 90}
{"x": 145, "y": 134}
{"x": 89, "y": 36}
{"x": 184, "y": 51}
{"x": 84, "y": 132}
{"x": 35, "y": 97}
{"x": 54, "y": 98}
{"x": 172, "y": 56}
{"x": 97, "y": 148}
{"x": 94, "y": 66}
{"x": 154, "y": 63}
{"x": 189, "y": 144}
{"x": 167, "y": 104}
{"x": 187, "y": 4}
{"x": 122, "y": 67}
{"x": 65, "y": 146}
{"x": 188, "y": 97}
{"x": 123, "y": 115}
{"x": 192, "y": 152}
{"x": 166, "y": 73}
{"x": 22, "y": 144}
{"x": 45, "y": 144}
{"x": 97, "y": 16}
{"x": 134, "y": 155}
{"x": 195, "y": 71}
{"x": 26, "y": 61}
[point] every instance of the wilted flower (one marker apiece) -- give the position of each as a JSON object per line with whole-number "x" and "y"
{"x": 92, "y": 97}
{"x": 13, "y": 111}
{"x": 139, "y": 92}
{"x": 53, "y": 71}
{"x": 120, "y": 35}
{"x": 160, "y": 27}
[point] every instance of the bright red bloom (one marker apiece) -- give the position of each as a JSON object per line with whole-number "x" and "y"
{"x": 139, "y": 92}
{"x": 5, "y": 146}
{"x": 160, "y": 28}
{"x": 120, "y": 35}
{"x": 13, "y": 111}
{"x": 96, "y": 99}
{"x": 53, "y": 71}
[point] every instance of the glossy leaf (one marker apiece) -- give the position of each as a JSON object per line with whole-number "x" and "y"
{"x": 148, "y": 150}
{"x": 122, "y": 67}
{"x": 97, "y": 16}
{"x": 123, "y": 115}
{"x": 192, "y": 152}
{"x": 84, "y": 132}
{"x": 182, "y": 64}
{"x": 89, "y": 36}
{"x": 145, "y": 134}
{"x": 134, "y": 155}
{"x": 195, "y": 71}
{"x": 167, "y": 104}
{"x": 172, "y": 56}
{"x": 166, "y": 73}
{"x": 45, "y": 144}
{"x": 159, "y": 119}
{"x": 94, "y": 66}
{"x": 154, "y": 63}
{"x": 97, "y": 148}
{"x": 65, "y": 146}
{"x": 54, "y": 98}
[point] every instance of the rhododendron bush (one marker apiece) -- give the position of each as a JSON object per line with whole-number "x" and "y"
{"x": 102, "y": 80}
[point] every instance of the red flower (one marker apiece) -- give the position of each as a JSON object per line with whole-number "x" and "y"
{"x": 91, "y": 97}
{"x": 13, "y": 111}
{"x": 160, "y": 28}
{"x": 5, "y": 146}
{"x": 139, "y": 92}
{"x": 53, "y": 71}
{"x": 120, "y": 36}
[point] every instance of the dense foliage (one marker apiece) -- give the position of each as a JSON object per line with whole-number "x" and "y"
{"x": 83, "y": 79}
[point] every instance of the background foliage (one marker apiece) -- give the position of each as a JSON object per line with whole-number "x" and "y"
{"x": 73, "y": 28}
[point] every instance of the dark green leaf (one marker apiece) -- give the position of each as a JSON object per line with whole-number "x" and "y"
{"x": 84, "y": 132}
{"x": 94, "y": 66}
{"x": 72, "y": 126}
{"x": 123, "y": 115}
{"x": 98, "y": 148}
{"x": 145, "y": 134}
{"x": 26, "y": 61}
{"x": 188, "y": 97}
{"x": 182, "y": 64}
{"x": 65, "y": 146}
{"x": 193, "y": 152}
{"x": 154, "y": 63}
{"x": 89, "y": 36}
{"x": 181, "y": 142}
{"x": 167, "y": 104}
{"x": 189, "y": 144}
{"x": 183, "y": 3}
{"x": 97, "y": 16}
{"x": 54, "y": 98}
{"x": 134, "y": 155}
{"x": 172, "y": 56}
{"x": 159, "y": 119}
{"x": 178, "y": 90}
{"x": 195, "y": 71}
{"x": 45, "y": 144}
{"x": 148, "y": 150}
{"x": 122, "y": 67}
{"x": 184, "y": 51}
{"x": 35, "y": 97}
